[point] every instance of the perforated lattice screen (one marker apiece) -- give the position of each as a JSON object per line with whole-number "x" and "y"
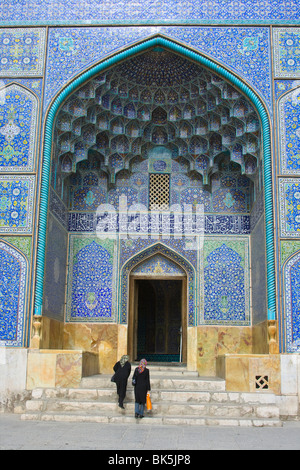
{"x": 159, "y": 192}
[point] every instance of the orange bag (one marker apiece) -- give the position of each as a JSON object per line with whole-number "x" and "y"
{"x": 148, "y": 402}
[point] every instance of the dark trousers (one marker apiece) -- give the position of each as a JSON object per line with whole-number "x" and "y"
{"x": 121, "y": 391}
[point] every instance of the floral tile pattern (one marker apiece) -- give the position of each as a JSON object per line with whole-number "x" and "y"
{"x": 287, "y": 52}
{"x": 12, "y": 295}
{"x": 289, "y": 197}
{"x": 22, "y": 52}
{"x": 18, "y": 124}
{"x": 16, "y": 203}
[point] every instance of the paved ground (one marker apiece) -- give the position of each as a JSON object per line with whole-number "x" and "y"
{"x": 16, "y": 434}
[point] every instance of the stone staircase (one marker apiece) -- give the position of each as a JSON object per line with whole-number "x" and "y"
{"x": 179, "y": 397}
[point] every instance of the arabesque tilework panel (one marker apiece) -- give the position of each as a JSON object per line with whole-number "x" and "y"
{"x": 91, "y": 285}
{"x": 289, "y": 131}
{"x": 18, "y": 128}
{"x": 22, "y": 52}
{"x": 13, "y": 275}
{"x": 292, "y": 303}
{"x": 16, "y": 203}
{"x": 225, "y": 295}
{"x": 148, "y": 11}
{"x": 289, "y": 199}
{"x": 244, "y": 50}
{"x": 287, "y": 52}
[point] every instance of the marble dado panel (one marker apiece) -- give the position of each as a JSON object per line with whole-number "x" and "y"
{"x": 102, "y": 339}
{"x": 246, "y": 51}
{"x": 91, "y": 280}
{"x": 286, "y": 52}
{"x": 289, "y": 200}
{"x": 289, "y": 130}
{"x": 22, "y": 52}
{"x": 18, "y": 128}
{"x": 214, "y": 341}
{"x": 16, "y": 203}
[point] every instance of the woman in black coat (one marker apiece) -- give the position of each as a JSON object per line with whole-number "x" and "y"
{"x": 141, "y": 382}
{"x": 122, "y": 370}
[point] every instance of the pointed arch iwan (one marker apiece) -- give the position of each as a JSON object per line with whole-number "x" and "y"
{"x": 202, "y": 60}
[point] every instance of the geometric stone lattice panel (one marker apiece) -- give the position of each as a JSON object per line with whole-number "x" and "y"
{"x": 289, "y": 198}
{"x": 16, "y": 203}
{"x": 159, "y": 192}
{"x": 289, "y": 132}
{"x": 90, "y": 282}
{"x": 292, "y": 303}
{"x": 22, "y": 52}
{"x": 13, "y": 275}
{"x": 287, "y": 52}
{"x": 226, "y": 285}
{"x": 18, "y": 120}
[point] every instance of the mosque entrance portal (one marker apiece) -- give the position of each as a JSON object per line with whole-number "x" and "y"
{"x": 158, "y": 330}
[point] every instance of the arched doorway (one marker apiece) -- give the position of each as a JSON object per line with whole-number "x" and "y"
{"x": 157, "y": 322}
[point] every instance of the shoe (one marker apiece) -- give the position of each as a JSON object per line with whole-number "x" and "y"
{"x": 136, "y": 415}
{"x": 121, "y": 406}
{"x": 140, "y": 416}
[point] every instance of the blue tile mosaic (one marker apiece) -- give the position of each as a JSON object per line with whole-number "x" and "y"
{"x": 16, "y": 203}
{"x": 148, "y": 11}
{"x": 286, "y": 52}
{"x": 12, "y": 295}
{"x": 292, "y": 302}
{"x": 22, "y": 52}
{"x": 91, "y": 281}
{"x": 165, "y": 251}
{"x": 146, "y": 225}
{"x": 282, "y": 86}
{"x": 18, "y": 126}
{"x": 289, "y": 131}
{"x": 244, "y": 50}
{"x": 158, "y": 265}
{"x": 289, "y": 197}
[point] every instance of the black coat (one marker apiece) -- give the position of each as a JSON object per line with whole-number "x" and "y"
{"x": 122, "y": 373}
{"x": 142, "y": 385}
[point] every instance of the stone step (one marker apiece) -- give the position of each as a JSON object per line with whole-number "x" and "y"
{"x": 159, "y": 382}
{"x": 181, "y": 398}
{"x": 161, "y": 408}
{"x": 152, "y": 420}
{"x": 168, "y": 369}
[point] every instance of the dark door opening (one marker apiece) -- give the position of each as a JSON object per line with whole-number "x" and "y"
{"x": 159, "y": 320}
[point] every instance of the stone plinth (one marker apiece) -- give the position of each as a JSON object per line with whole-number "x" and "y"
{"x": 250, "y": 372}
{"x": 54, "y": 368}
